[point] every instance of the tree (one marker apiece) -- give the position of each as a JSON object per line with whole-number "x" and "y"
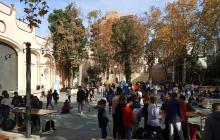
{"x": 69, "y": 39}
{"x": 35, "y": 9}
{"x": 128, "y": 38}
{"x": 100, "y": 42}
{"x": 181, "y": 19}
{"x": 93, "y": 72}
{"x": 152, "y": 20}
{"x": 209, "y": 21}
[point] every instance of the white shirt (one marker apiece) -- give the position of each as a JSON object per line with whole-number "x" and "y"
{"x": 68, "y": 92}
{"x": 6, "y": 101}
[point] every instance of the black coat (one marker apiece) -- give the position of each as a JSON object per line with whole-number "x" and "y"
{"x": 80, "y": 95}
{"x": 103, "y": 120}
{"x": 212, "y": 127}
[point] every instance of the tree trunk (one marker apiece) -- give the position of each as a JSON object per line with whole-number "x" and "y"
{"x": 184, "y": 71}
{"x": 69, "y": 77}
{"x": 173, "y": 72}
{"x": 80, "y": 74}
{"x": 107, "y": 73}
{"x": 150, "y": 74}
{"x": 165, "y": 73}
{"x": 127, "y": 71}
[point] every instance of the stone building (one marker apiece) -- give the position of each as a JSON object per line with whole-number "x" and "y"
{"x": 13, "y": 35}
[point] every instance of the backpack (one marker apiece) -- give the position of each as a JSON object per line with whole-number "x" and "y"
{"x": 8, "y": 124}
{"x": 49, "y": 124}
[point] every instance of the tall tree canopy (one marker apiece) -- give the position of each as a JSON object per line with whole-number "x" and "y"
{"x": 69, "y": 39}
{"x": 128, "y": 39}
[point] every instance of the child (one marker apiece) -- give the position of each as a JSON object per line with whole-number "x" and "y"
{"x": 66, "y": 107}
{"x": 103, "y": 120}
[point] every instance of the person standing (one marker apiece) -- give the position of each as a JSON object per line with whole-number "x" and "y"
{"x": 55, "y": 97}
{"x": 43, "y": 91}
{"x": 212, "y": 124}
{"x": 68, "y": 94}
{"x": 119, "y": 117}
{"x": 109, "y": 97}
{"x": 80, "y": 99}
{"x": 174, "y": 113}
{"x": 102, "y": 118}
{"x": 128, "y": 118}
{"x": 115, "y": 102}
{"x": 49, "y": 99}
{"x": 154, "y": 117}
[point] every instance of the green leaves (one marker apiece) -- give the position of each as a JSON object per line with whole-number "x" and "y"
{"x": 68, "y": 37}
{"x": 128, "y": 38}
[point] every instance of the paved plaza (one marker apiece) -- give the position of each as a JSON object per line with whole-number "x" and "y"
{"x": 74, "y": 126}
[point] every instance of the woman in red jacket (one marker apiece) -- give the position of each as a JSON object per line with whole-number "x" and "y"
{"x": 128, "y": 118}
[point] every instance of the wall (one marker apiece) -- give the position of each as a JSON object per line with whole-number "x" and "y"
{"x": 15, "y": 33}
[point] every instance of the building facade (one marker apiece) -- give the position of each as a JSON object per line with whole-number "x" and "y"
{"x": 13, "y": 35}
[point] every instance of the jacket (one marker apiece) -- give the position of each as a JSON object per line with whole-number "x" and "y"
{"x": 173, "y": 111}
{"x": 212, "y": 127}
{"x": 128, "y": 118}
{"x": 184, "y": 110}
{"x": 102, "y": 119}
{"x": 80, "y": 95}
{"x": 153, "y": 115}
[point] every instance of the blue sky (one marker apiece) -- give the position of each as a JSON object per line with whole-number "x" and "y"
{"x": 122, "y": 6}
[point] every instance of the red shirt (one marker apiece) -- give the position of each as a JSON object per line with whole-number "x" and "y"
{"x": 128, "y": 118}
{"x": 184, "y": 110}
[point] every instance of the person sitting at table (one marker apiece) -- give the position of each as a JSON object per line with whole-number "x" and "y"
{"x": 203, "y": 103}
{"x": 16, "y": 100}
{"x": 212, "y": 124}
{"x": 216, "y": 94}
{"x": 66, "y": 107}
{"x": 35, "y": 103}
{"x": 6, "y": 100}
{"x": 192, "y": 101}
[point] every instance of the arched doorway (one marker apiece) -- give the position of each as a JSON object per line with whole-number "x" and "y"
{"x": 8, "y": 67}
{"x": 34, "y": 70}
{"x": 46, "y": 72}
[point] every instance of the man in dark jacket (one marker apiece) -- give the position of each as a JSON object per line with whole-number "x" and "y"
{"x": 212, "y": 124}
{"x": 173, "y": 112}
{"x": 80, "y": 99}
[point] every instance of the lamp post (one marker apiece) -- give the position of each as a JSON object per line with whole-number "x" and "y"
{"x": 28, "y": 90}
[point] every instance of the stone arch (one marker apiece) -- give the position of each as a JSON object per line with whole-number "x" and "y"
{"x": 13, "y": 44}
{"x": 34, "y": 69}
{"x": 9, "y": 67}
{"x": 46, "y": 72}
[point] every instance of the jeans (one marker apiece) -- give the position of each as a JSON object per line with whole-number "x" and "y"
{"x": 49, "y": 103}
{"x": 129, "y": 133}
{"x": 69, "y": 98}
{"x": 178, "y": 128}
{"x": 80, "y": 107}
{"x": 104, "y": 132}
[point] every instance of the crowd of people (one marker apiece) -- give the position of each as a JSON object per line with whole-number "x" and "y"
{"x": 162, "y": 107}
{"x": 129, "y": 103}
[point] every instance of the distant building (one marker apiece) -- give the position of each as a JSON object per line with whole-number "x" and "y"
{"x": 13, "y": 35}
